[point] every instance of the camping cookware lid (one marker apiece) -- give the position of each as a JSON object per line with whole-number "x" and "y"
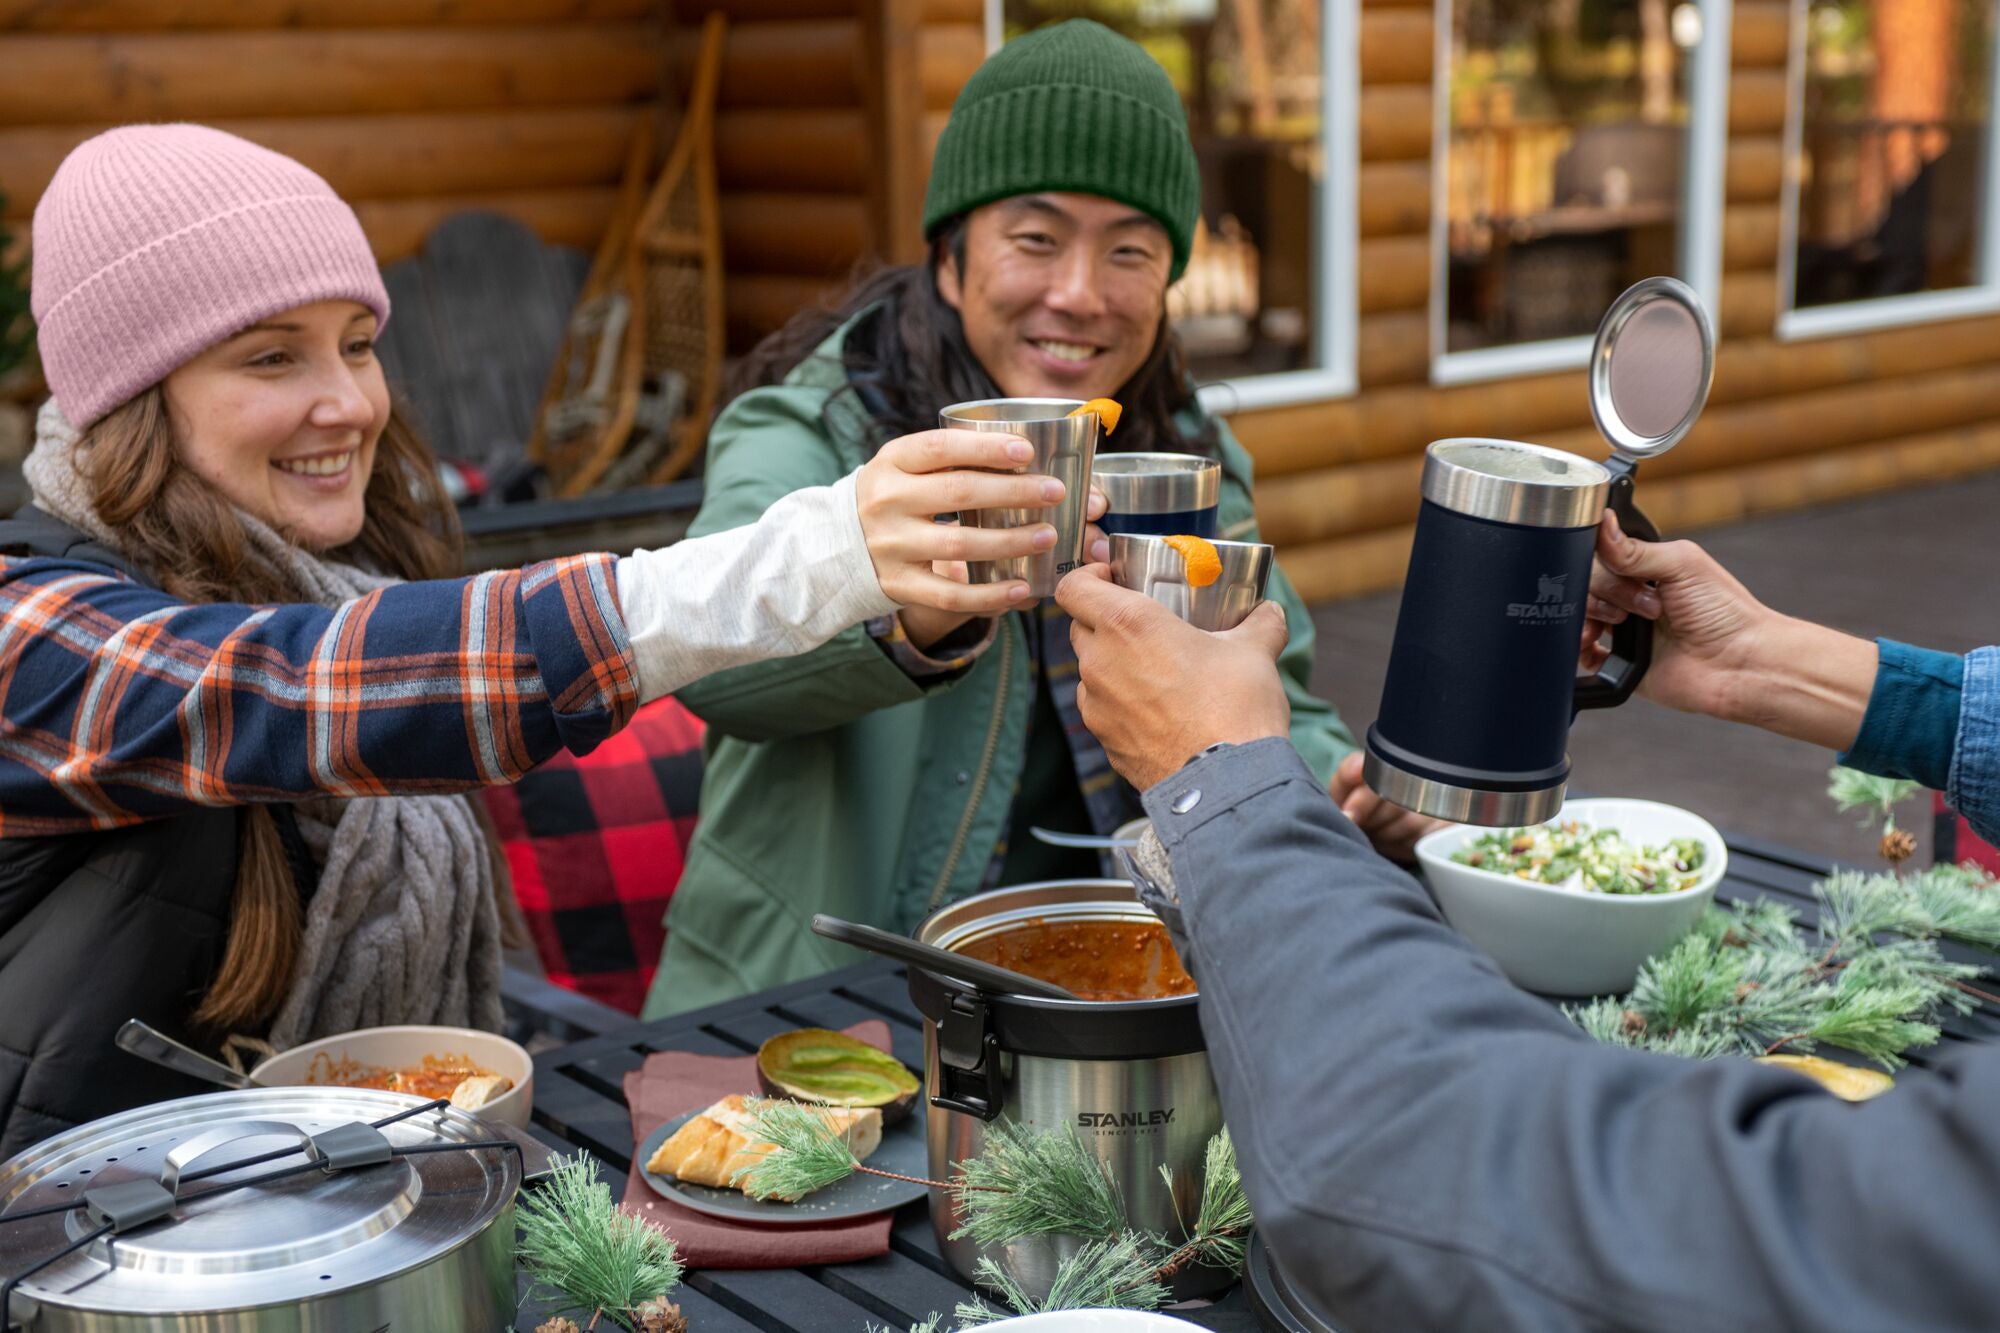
{"x": 1651, "y": 367}
{"x": 344, "y": 1218}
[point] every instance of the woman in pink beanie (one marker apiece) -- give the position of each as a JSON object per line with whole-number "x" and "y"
{"x": 239, "y": 694}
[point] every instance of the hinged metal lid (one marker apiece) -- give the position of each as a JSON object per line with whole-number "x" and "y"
{"x": 317, "y": 1233}
{"x": 1651, "y": 367}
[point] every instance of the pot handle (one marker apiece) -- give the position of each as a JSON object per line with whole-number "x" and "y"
{"x": 189, "y": 1151}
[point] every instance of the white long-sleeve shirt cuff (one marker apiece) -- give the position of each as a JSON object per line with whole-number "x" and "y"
{"x": 774, "y": 588}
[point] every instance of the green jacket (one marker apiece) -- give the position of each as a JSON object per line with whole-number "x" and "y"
{"x": 836, "y": 782}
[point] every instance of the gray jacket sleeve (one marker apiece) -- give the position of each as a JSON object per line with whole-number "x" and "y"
{"x": 1427, "y": 1147}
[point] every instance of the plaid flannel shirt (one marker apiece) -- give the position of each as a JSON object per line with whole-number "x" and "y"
{"x": 596, "y": 845}
{"x": 119, "y": 703}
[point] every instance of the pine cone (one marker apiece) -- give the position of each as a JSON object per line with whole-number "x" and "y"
{"x": 557, "y": 1325}
{"x": 1897, "y": 846}
{"x": 661, "y": 1316}
{"x": 1634, "y": 1023}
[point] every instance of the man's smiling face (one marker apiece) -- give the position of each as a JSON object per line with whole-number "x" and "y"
{"x": 1060, "y": 294}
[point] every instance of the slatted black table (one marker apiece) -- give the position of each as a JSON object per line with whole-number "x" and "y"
{"x": 579, "y": 1104}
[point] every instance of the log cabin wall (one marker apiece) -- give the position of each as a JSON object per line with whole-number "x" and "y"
{"x": 827, "y": 108}
{"x": 411, "y": 109}
{"x": 1788, "y": 423}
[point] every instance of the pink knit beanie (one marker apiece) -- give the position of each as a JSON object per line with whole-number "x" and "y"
{"x": 155, "y": 242}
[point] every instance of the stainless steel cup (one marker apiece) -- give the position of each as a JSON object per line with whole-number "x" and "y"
{"x": 1149, "y": 565}
{"x": 1065, "y": 447}
{"x": 1159, "y": 493}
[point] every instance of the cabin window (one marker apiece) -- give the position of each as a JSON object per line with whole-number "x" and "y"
{"x": 1889, "y": 154}
{"x": 1578, "y": 149}
{"x": 1265, "y": 310}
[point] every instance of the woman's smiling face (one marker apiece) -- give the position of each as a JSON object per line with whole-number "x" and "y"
{"x": 283, "y": 419}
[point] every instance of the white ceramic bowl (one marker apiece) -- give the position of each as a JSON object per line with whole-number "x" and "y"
{"x": 1092, "y": 1321}
{"x": 1559, "y": 941}
{"x": 401, "y": 1047}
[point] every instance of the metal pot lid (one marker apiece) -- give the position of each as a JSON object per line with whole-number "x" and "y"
{"x": 308, "y": 1236}
{"x": 1651, "y": 367}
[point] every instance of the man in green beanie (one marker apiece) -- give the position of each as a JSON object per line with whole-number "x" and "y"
{"x": 900, "y": 766}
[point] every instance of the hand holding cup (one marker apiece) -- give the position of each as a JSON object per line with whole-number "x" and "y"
{"x": 913, "y": 479}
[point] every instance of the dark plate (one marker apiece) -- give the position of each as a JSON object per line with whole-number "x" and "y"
{"x": 903, "y": 1151}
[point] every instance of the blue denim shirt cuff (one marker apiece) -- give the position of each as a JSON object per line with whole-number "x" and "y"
{"x": 1911, "y": 727}
{"x": 1975, "y": 771}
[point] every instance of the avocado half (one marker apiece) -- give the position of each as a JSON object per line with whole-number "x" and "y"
{"x": 834, "y": 1069}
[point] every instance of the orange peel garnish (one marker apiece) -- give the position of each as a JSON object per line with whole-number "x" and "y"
{"x": 1204, "y": 562}
{"x": 1107, "y": 411}
{"x": 1847, "y": 1082}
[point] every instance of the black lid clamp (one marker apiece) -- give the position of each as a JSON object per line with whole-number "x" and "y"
{"x": 968, "y": 1058}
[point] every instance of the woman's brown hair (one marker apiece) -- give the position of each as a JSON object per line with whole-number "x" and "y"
{"x": 186, "y": 536}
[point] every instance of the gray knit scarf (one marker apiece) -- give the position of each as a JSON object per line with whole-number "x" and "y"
{"x": 403, "y": 927}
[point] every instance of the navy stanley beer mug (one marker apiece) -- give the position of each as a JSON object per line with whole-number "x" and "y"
{"x": 1483, "y": 684}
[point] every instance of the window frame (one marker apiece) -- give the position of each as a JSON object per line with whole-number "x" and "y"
{"x": 1981, "y": 297}
{"x": 1704, "y": 173}
{"x": 1335, "y": 229}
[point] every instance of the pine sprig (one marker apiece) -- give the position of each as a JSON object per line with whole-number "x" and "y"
{"x": 1870, "y": 979}
{"x": 578, "y": 1247}
{"x": 1223, "y": 1219}
{"x": 806, "y": 1154}
{"x": 1116, "y": 1274}
{"x": 1852, "y": 789}
{"x": 1029, "y": 1184}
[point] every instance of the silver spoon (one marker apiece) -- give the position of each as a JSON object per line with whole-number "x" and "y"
{"x": 1089, "y": 841}
{"x": 149, "y": 1043}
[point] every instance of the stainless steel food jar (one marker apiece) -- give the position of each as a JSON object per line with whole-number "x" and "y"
{"x": 422, "y": 1243}
{"x": 1131, "y": 1078}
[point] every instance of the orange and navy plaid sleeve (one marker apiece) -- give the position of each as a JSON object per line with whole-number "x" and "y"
{"x": 119, "y": 703}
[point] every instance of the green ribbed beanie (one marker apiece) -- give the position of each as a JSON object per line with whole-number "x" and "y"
{"x": 1077, "y": 108}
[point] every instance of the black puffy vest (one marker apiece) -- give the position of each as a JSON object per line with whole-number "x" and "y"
{"x": 96, "y": 928}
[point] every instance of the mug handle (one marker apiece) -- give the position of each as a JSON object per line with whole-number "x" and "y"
{"x": 1631, "y": 641}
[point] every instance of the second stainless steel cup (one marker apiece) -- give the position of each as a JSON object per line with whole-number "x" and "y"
{"x": 1149, "y": 565}
{"x": 1160, "y": 493}
{"x": 1065, "y": 446}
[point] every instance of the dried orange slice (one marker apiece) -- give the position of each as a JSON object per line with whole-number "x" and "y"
{"x": 1107, "y": 411}
{"x": 1844, "y": 1081}
{"x": 1204, "y": 562}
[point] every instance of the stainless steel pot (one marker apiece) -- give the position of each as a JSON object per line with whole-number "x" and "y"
{"x": 421, "y": 1243}
{"x": 1131, "y": 1078}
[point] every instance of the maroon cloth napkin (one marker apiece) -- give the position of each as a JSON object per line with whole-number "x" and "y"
{"x": 672, "y": 1083}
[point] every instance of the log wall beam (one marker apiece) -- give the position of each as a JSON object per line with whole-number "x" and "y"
{"x": 1760, "y": 34}
{"x": 396, "y": 228}
{"x": 1395, "y": 122}
{"x": 1397, "y": 46}
{"x": 792, "y": 150}
{"x": 395, "y": 156}
{"x": 1755, "y": 170}
{"x": 1758, "y": 99}
{"x": 1393, "y": 198}
{"x": 53, "y": 79}
{"x": 100, "y": 16}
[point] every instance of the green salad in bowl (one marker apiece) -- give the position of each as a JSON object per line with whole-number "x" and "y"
{"x": 1575, "y": 855}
